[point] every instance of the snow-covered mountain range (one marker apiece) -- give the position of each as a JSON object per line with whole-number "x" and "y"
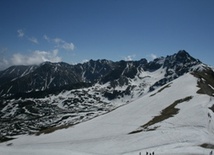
{"x": 165, "y": 106}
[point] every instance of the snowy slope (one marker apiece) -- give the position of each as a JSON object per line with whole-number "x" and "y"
{"x": 189, "y": 127}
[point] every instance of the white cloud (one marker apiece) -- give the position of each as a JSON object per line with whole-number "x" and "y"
{"x": 85, "y": 60}
{"x": 33, "y": 40}
{"x": 46, "y": 38}
{"x": 60, "y": 43}
{"x": 129, "y": 57}
{"x": 68, "y": 46}
{"x": 153, "y": 56}
{"x": 36, "y": 57}
{"x": 20, "y": 33}
{"x": 63, "y": 44}
{"x": 58, "y": 40}
{"x": 3, "y": 63}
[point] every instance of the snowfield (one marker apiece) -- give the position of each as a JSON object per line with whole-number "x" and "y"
{"x": 181, "y": 133}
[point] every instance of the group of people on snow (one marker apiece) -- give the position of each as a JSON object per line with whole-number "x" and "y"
{"x": 147, "y": 153}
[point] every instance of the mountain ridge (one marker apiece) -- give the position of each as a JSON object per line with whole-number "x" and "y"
{"x": 101, "y": 86}
{"x": 23, "y": 79}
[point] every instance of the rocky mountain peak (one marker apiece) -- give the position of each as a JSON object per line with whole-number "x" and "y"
{"x": 183, "y": 56}
{"x": 183, "y": 53}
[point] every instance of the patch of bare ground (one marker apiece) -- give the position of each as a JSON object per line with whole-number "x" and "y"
{"x": 5, "y": 139}
{"x": 207, "y": 146}
{"x": 52, "y": 129}
{"x": 166, "y": 113}
{"x": 205, "y": 81}
{"x": 212, "y": 108}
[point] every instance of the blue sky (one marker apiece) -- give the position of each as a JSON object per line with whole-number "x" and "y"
{"x": 73, "y": 31}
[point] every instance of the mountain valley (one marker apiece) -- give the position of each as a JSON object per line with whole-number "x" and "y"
{"x": 105, "y": 107}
